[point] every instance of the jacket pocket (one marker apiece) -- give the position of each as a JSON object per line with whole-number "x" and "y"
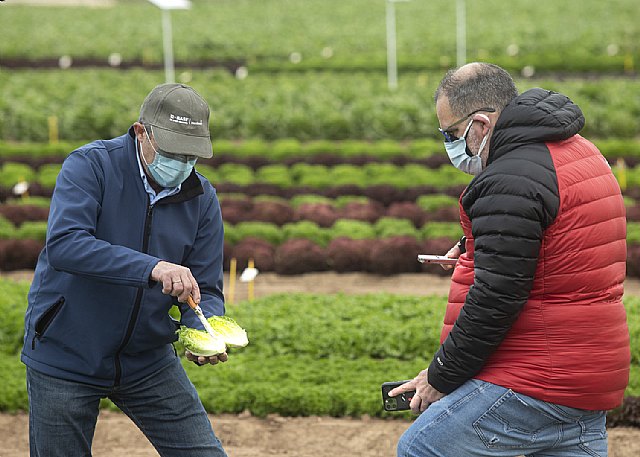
{"x": 44, "y": 321}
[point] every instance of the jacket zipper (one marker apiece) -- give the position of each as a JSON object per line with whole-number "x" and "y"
{"x": 137, "y": 303}
{"x": 50, "y": 314}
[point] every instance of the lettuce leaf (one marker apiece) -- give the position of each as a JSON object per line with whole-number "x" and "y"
{"x": 232, "y": 334}
{"x": 199, "y": 342}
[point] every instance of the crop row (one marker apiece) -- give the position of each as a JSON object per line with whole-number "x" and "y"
{"x": 334, "y": 106}
{"x": 317, "y": 209}
{"x": 270, "y": 203}
{"x": 389, "y": 246}
{"x": 333, "y": 34}
{"x": 321, "y": 349}
{"x": 289, "y": 151}
{"x": 296, "y": 248}
{"x": 274, "y": 222}
{"x": 300, "y": 176}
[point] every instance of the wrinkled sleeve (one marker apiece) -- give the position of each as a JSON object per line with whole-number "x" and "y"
{"x": 205, "y": 261}
{"x": 71, "y": 243}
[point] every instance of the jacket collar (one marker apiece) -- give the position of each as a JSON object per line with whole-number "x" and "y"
{"x": 535, "y": 116}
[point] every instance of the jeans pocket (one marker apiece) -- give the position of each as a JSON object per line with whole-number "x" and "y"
{"x": 594, "y": 443}
{"x": 511, "y": 423}
{"x": 593, "y": 440}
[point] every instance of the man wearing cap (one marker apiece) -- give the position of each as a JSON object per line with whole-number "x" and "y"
{"x": 133, "y": 230}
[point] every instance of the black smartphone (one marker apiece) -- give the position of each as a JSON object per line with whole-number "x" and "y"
{"x": 397, "y": 403}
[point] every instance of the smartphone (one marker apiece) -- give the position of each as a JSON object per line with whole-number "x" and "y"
{"x": 398, "y": 403}
{"x": 439, "y": 259}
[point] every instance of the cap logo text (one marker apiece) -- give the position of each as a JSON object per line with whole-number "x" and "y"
{"x": 183, "y": 120}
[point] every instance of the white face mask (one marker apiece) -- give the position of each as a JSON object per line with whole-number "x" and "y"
{"x": 457, "y": 152}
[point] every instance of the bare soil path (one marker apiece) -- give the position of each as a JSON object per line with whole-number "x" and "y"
{"x": 246, "y": 436}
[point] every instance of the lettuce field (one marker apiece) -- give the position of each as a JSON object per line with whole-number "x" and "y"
{"x": 308, "y": 354}
{"x": 309, "y": 206}
{"x": 317, "y": 164}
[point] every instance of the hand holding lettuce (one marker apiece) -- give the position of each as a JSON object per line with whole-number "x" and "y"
{"x": 200, "y": 343}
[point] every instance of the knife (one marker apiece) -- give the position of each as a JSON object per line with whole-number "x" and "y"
{"x": 196, "y": 309}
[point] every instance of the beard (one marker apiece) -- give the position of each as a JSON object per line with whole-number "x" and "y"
{"x": 473, "y": 145}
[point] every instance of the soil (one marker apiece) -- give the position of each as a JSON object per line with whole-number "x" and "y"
{"x": 246, "y": 436}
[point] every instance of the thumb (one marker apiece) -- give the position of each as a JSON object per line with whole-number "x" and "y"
{"x": 406, "y": 387}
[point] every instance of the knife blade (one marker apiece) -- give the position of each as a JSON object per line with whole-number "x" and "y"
{"x": 196, "y": 309}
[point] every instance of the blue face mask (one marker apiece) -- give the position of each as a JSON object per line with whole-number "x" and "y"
{"x": 457, "y": 152}
{"x": 167, "y": 171}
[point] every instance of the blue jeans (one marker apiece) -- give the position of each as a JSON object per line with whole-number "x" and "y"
{"x": 165, "y": 406}
{"x": 482, "y": 419}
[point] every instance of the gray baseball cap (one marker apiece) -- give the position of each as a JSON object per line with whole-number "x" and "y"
{"x": 179, "y": 118}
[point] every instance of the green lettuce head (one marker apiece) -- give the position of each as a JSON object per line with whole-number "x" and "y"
{"x": 199, "y": 342}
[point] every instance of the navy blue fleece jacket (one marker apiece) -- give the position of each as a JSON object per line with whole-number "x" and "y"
{"x": 94, "y": 315}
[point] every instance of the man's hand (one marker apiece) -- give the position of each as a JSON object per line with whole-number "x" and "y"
{"x": 176, "y": 280}
{"x": 425, "y": 393}
{"x": 202, "y": 360}
{"x": 452, "y": 253}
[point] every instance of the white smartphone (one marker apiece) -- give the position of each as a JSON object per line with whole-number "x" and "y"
{"x": 439, "y": 259}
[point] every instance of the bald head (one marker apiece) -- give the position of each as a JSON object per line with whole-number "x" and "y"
{"x": 469, "y": 70}
{"x": 476, "y": 85}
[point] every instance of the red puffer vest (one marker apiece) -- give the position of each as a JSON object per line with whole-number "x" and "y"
{"x": 570, "y": 344}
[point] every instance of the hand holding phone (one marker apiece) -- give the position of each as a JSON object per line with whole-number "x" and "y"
{"x": 398, "y": 403}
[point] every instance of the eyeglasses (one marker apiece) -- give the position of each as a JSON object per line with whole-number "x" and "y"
{"x": 178, "y": 157}
{"x": 449, "y": 136}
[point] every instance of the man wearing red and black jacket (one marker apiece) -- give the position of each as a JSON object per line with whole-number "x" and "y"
{"x": 535, "y": 344}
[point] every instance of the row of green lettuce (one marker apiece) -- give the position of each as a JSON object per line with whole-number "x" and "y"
{"x": 285, "y": 35}
{"x": 302, "y": 174}
{"x": 429, "y": 203}
{"x": 320, "y": 350}
{"x": 292, "y": 149}
{"x": 347, "y": 228}
{"x": 93, "y": 103}
{"x": 384, "y": 227}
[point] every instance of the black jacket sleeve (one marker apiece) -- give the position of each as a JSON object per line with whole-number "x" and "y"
{"x": 509, "y": 205}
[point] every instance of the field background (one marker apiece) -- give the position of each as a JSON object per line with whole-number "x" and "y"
{"x": 248, "y": 435}
{"x": 329, "y": 181}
